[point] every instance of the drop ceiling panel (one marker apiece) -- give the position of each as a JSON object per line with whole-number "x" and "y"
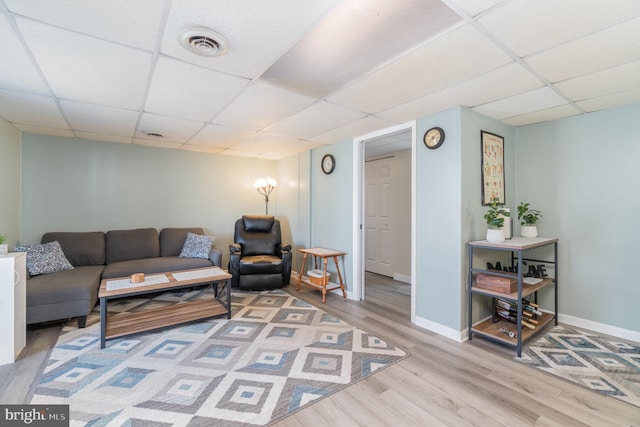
{"x": 609, "y": 101}
{"x": 174, "y": 130}
{"x": 455, "y": 57}
{"x": 194, "y": 93}
{"x": 32, "y": 110}
{"x": 527, "y": 27}
{"x": 260, "y": 106}
{"x": 202, "y": 149}
{"x": 100, "y": 120}
{"x": 105, "y": 138}
{"x": 473, "y": 7}
{"x": 535, "y": 100}
{"x": 609, "y": 48}
{"x": 263, "y": 143}
{"x": 302, "y": 69}
{"x": 617, "y": 79}
{"x": 554, "y": 113}
{"x": 258, "y": 32}
{"x": 156, "y": 144}
{"x": 220, "y": 136}
{"x": 86, "y": 69}
{"x": 134, "y": 23}
{"x": 45, "y": 131}
{"x": 17, "y": 71}
{"x": 512, "y": 79}
{"x": 361, "y": 127}
{"x": 315, "y": 120}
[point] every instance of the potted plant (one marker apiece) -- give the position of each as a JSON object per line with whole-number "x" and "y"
{"x": 495, "y": 220}
{"x": 3, "y": 246}
{"x": 528, "y": 218}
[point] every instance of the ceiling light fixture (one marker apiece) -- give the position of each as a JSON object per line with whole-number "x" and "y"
{"x": 203, "y": 41}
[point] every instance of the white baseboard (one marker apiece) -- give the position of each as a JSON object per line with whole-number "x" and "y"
{"x": 603, "y": 328}
{"x": 402, "y": 278}
{"x": 439, "y": 329}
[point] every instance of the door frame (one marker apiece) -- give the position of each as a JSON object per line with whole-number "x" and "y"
{"x": 358, "y": 210}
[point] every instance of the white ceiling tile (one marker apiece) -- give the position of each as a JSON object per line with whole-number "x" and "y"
{"x": 219, "y": 136}
{"x": 86, "y": 69}
{"x": 33, "y": 110}
{"x": 156, "y": 144}
{"x": 174, "y": 130}
{"x": 202, "y": 148}
{"x": 258, "y": 32}
{"x": 610, "y": 101}
{"x": 455, "y": 57}
{"x": 262, "y": 105}
{"x": 190, "y": 92}
{"x": 134, "y": 23}
{"x": 361, "y": 127}
{"x": 535, "y": 100}
{"x": 473, "y": 7}
{"x": 617, "y": 79}
{"x": 263, "y": 143}
{"x": 105, "y": 138}
{"x": 512, "y": 79}
{"x": 554, "y": 113}
{"x": 100, "y": 120}
{"x": 315, "y": 120}
{"x": 17, "y": 71}
{"x": 44, "y": 131}
{"x": 605, "y": 49}
{"x": 526, "y": 26}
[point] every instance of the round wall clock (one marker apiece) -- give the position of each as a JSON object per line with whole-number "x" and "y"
{"x": 328, "y": 164}
{"x": 434, "y": 138}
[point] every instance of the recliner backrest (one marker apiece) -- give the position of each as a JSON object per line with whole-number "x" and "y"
{"x": 258, "y": 235}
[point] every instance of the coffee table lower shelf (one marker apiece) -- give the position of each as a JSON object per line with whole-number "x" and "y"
{"x": 119, "y": 325}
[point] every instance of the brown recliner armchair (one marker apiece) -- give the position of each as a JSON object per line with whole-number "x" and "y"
{"x": 258, "y": 260}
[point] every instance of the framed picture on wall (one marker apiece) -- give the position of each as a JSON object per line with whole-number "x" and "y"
{"x": 492, "y": 167}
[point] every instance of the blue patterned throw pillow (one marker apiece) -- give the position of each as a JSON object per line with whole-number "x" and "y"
{"x": 196, "y": 246}
{"x": 45, "y": 258}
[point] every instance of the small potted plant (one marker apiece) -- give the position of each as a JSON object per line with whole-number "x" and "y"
{"x": 495, "y": 220}
{"x": 528, "y": 218}
{"x": 3, "y": 246}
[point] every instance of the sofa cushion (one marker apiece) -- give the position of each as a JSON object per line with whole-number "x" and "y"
{"x": 196, "y": 246}
{"x": 125, "y": 245}
{"x": 80, "y": 248}
{"x": 45, "y": 258}
{"x": 153, "y": 265}
{"x": 172, "y": 239}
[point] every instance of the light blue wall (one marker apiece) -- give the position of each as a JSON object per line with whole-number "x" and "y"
{"x": 81, "y": 185}
{"x": 332, "y": 205}
{"x": 9, "y": 183}
{"x": 583, "y": 173}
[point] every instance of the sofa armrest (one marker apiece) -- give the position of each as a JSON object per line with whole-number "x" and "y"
{"x": 215, "y": 256}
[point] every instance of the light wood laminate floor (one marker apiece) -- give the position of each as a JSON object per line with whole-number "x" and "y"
{"x": 441, "y": 383}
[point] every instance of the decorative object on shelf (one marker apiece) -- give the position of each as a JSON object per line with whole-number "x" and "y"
{"x": 528, "y": 218}
{"x": 328, "y": 164}
{"x": 433, "y": 138}
{"x": 495, "y": 220}
{"x": 4, "y": 247}
{"x": 137, "y": 278}
{"x": 492, "y": 146}
{"x": 265, "y": 186}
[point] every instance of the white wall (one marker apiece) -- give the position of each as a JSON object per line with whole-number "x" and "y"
{"x": 9, "y": 183}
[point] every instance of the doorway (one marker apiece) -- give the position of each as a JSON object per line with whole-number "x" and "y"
{"x": 383, "y": 229}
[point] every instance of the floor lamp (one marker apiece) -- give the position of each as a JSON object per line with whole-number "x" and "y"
{"x": 265, "y": 186}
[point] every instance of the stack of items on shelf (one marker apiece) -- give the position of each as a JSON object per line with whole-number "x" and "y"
{"x": 508, "y": 310}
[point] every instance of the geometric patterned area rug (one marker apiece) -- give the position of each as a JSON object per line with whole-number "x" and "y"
{"x": 276, "y": 355}
{"x": 610, "y": 366}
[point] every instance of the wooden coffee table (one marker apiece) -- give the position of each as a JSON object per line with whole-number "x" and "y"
{"x": 123, "y": 324}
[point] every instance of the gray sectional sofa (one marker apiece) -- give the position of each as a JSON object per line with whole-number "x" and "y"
{"x": 98, "y": 255}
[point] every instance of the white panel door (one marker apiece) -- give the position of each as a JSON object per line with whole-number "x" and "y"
{"x": 378, "y": 232}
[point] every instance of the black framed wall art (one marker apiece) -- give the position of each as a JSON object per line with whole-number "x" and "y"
{"x": 492, "y": 168}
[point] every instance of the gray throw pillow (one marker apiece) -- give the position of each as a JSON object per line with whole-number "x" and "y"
{"x": 196, "y": 246}
{"x": 45, "y": 258}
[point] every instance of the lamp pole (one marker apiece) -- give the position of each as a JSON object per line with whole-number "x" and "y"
{"x": 265, "y": 186}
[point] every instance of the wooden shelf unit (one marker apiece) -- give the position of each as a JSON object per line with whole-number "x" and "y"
{"x": 517, "y": 246}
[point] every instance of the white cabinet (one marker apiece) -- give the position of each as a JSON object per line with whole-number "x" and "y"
{"x": 13, "y": 306}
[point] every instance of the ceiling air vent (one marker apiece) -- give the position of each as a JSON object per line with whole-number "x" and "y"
{"x": 203, "y": 42}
